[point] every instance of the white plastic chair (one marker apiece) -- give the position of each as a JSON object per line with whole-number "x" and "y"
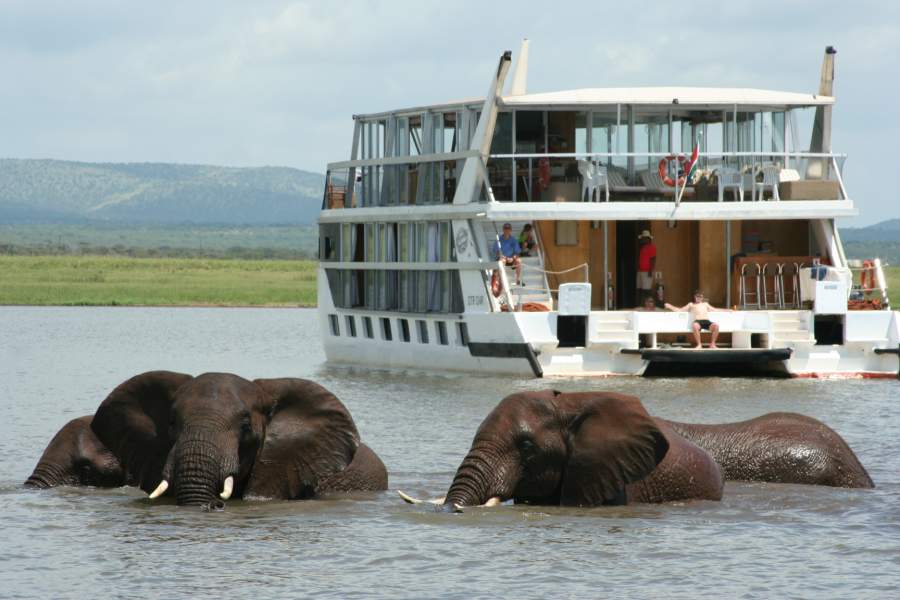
{"x": 770, "y": 179}
{"x": 730, "y": 178}
{"x": 601, "y": 177}
{"x": 588, "y": 180}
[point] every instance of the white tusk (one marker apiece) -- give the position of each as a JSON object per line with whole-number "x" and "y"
{"x": 492, "y": 502}
{"x": 227, "y": 488}
{"x": 160, "y": 490}
{"x": 410, "y": 500}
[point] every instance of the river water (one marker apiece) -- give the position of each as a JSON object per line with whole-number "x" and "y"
{"x": 759, "y": 541}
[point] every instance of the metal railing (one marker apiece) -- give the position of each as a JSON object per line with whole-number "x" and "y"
{"x": 519, "y": 177}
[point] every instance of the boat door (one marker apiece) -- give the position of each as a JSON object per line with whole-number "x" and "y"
{"x": 626, "y": 263}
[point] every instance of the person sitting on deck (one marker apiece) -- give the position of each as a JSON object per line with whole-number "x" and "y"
{"x": 527, "y": 241}
{"x": 700, "y": 310}
{"x": 507, "y": 249}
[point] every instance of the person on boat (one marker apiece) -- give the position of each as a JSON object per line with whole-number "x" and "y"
{"x": 646, "y": 264}
{"x": 648, "y": 304}
{"x": 700, "y": 310}
{"x": 508, "y": 250}
{"x": 527, "y": 241}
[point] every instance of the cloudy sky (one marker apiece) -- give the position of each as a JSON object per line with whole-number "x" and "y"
{"x": 275, "y": 83}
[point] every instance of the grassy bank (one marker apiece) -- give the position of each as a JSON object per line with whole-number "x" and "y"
{"x": 109, "y": 280}
{"x": 106, "y": 280}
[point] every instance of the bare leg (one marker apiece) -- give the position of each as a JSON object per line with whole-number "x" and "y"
{"x": 697, "y": 343}
{"x": 518, "y": 264}
{"x": 714, "y": 330}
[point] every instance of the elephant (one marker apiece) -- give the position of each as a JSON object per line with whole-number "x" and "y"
{"x": 218, "y": 436}
{"x": 779, "y": 448}
{"x": 579, "y": 449}
{"x": 76, "y": 457}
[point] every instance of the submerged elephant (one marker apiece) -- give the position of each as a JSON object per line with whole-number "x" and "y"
{"x": 217, "y": 436}
{"x": 779, "y": 448}
{"x": 579, "y": 449}
{"x": 593, "y": 448}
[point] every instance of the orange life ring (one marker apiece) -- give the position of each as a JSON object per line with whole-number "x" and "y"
{"x": 867, "y": 277}
{"x": 664, "y": 169}
{"x": 496, "y": 285}
{"x": 544, "y": 173}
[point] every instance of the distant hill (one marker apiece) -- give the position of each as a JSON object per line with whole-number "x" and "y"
{"x": 55, "y": 191}
{"x": 885, "y": 231}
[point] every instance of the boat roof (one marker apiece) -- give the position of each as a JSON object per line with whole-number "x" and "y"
{"x": 693, "y": 96}
{"x": 687, "y": 97}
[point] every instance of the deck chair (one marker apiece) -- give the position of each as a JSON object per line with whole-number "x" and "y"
{"x": 601, "y": 178}
{"x": 770, "y": 180}
{"x": 588, "y": 180}
{"x": 730, "y": 178}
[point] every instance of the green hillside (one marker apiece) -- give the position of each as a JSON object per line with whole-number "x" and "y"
{"x": 64, "y": 191}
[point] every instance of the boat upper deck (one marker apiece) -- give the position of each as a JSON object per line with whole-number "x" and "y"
{"x": 612, "y": 151}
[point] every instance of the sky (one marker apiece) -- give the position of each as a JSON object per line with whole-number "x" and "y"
{"x": 276, "y": 83}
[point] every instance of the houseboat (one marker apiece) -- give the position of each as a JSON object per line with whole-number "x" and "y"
{"x": 735, "y": 191}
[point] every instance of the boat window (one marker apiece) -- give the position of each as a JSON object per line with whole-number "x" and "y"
{"x": 441, "y": 332}
{"x": 422, "y": 329}
{"x": 502, "y": 142}
{"x": 603, "y": 129}
{"x": 462, "y": 334}
{"x": 335, "y": 286}
{"x": 386, "y": 329}
{"x": 404, "y": 329}
{"x": 367, "y": 327}
{"x": 350, "y": 320}
{"x": 333, "y": 324}
{"x": 530, "y": 131}
{"x": 329, "y": 241}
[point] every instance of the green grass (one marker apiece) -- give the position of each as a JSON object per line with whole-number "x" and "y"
{"x": 892, "y": 274}
{"x": 125, "y": 281}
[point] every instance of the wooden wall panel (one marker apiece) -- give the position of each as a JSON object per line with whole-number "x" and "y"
{"x": 676, "y": 258}
{"x": 712, "y": 261}
{"x": 787, "y": 238}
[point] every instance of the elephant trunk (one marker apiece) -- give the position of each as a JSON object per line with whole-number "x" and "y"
{"x": 197, "y": 474}
{"x": 47, "y": 475}
{"x": 480, "y": 477}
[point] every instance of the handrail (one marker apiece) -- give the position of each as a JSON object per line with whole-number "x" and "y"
{"x": 504, "y": 281}
{"x": 663, "y": 154}
{"x": 583, "y": 266}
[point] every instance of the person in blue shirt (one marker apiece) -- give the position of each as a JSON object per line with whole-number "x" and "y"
{"x": 508, "y": 250}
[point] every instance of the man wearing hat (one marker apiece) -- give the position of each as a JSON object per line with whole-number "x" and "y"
{"x": 508, "y": 250}
{"x": 646, "y": 264}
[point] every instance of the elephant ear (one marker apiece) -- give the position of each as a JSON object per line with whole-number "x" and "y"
{"x": 133, "y": 422}
{"x": 614, "y": 442}
{"x": 310, "y": 437}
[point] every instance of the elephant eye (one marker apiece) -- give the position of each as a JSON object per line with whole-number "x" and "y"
{"x": 245, "y": 426}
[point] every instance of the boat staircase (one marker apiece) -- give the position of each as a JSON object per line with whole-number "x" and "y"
{"x": 613, "y": 327}
{"x": 790, "y": 328}
{"x": 534, "y": 287}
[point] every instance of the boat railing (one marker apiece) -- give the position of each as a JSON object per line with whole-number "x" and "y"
{"x": 549, "y": 177}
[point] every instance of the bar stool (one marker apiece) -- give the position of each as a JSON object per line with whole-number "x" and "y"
{"x": 749, "y": 285}
{"x": 771, "y": 288}
{"x": 790, "y": 284}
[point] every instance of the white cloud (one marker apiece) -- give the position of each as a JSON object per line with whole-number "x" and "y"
{"x": 276, "y": 82}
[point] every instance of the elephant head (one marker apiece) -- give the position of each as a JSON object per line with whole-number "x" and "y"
{"x": 76, "y": 457}
{"x": 559, "y": 448}
{"x": 209, "y": 438}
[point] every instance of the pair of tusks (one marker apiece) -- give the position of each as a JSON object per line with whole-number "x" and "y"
{"x": 227, "y": 488}
{"x": 493, "y": 501}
